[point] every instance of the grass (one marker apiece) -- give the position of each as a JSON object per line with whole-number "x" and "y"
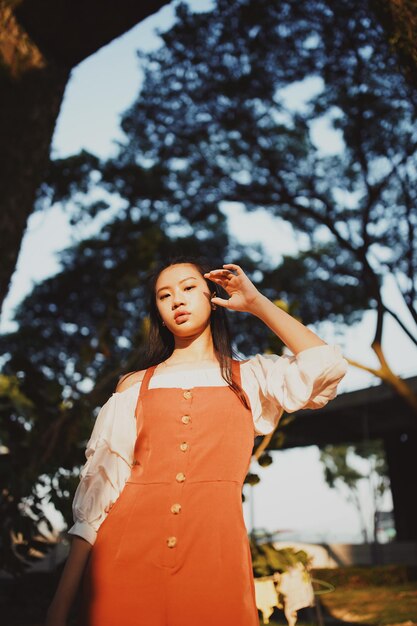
{"x": 378, "y": 605}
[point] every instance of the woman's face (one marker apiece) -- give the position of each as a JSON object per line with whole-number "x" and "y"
{"x": 183, "y": 299}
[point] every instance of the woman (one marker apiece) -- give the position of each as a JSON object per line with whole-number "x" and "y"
{"x": 174, "y": 442}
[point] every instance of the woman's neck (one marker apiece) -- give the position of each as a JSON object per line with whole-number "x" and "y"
{"x": 197, "y": 350}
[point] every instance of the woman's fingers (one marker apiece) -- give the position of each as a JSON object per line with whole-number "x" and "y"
{"x": 220, "y": 301}
{"x": 234, "y": 266}
{"x": 220, "y": 274}
{"x": 220, "y": 280}
{"x": 225, "y": 271}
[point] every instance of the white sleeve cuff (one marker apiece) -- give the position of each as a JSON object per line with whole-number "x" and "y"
{"x": 84, "y": 530}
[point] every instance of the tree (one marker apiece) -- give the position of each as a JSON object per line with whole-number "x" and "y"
{"x": 340, "y": 473}
{"x": 356, "y": 206}
{"x": 217, "y": 126}
{"x": 40, "y": 43}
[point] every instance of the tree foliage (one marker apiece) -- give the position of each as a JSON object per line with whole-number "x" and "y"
{"x": 212, "y": 128}
{"x": 340, "y": 473}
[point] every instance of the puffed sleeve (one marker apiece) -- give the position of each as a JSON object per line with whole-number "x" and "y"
{"x": 109, "y": 455}
{"x": 275, "y": 384}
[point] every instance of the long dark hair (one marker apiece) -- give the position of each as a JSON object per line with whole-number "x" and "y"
{"x": 160, "y": 341}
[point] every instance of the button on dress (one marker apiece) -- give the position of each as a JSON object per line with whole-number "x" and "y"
{"x": 173, "y": 549}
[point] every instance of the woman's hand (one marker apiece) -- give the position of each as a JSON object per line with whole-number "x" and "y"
{"x": 240, "y": 288}
{"x": 245, "y": 297}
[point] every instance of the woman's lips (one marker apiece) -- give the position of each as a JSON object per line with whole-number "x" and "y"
{"x": 182, "y": 317}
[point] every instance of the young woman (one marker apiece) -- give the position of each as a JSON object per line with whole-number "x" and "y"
{"x": 159, "y": 536}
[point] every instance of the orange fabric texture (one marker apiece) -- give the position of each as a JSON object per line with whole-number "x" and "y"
{"x": 173, "y": 550}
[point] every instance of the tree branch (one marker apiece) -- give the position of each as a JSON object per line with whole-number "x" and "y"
{"x": 401, "y": 324}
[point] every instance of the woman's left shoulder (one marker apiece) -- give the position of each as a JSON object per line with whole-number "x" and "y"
{"x": 128, "y": 380}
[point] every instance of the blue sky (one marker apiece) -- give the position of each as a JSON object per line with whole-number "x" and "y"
{"x": 292, "y": 490}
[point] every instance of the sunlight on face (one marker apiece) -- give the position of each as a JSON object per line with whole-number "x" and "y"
{"x": 183, "y": 298}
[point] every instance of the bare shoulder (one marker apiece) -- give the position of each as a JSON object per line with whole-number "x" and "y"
{"x": 127, "y": 380}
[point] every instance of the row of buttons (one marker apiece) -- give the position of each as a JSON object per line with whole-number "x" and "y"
{"x": 175, "y": 509}
{"x": 180, "y": 477}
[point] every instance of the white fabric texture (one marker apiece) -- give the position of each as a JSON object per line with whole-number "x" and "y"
{"x": 273, "y": 384}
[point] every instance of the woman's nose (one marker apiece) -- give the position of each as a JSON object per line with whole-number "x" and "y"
{"x": 178, "y": 299}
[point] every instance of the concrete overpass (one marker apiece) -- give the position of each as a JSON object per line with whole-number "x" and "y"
{"x": 373, "y": 413}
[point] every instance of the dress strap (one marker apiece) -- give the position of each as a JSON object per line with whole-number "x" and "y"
{"x": 145, "y": 381}
{"x": 144, "y": 386}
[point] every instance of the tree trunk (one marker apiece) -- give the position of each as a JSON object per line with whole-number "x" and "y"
{"x": 28, "y": 115}
{"x": 40, "y": 42}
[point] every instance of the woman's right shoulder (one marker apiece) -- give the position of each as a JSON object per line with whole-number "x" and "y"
{"x": 129, "y": 379}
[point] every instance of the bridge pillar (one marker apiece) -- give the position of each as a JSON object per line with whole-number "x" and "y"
{"x": 401, "y": 453}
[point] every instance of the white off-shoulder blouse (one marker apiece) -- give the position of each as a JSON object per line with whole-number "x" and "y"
{"x": 273, "y": 384}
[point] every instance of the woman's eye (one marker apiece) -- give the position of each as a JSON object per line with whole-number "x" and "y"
{"x": 164, "y": 296}
{"x": 190, "y": 287}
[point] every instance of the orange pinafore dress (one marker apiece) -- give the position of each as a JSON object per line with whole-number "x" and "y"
{"x": 174, "y": 550}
